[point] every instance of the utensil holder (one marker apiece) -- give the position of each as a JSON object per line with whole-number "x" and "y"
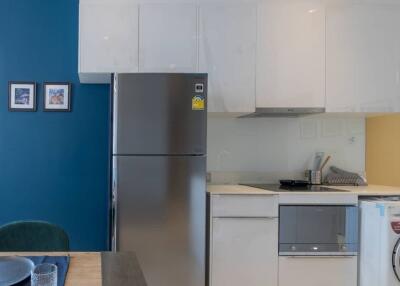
{"x": 314, "y": 177}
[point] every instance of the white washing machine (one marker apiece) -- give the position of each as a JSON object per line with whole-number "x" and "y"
{"x": 379, "y": 256}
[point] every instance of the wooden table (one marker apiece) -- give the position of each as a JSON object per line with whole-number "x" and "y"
{"x": 97, "y": 269}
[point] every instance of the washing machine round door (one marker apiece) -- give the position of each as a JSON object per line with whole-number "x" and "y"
{"x": 396, "y": 260}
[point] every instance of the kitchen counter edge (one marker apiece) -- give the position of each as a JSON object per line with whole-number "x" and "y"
{"x": 371, "y": 190}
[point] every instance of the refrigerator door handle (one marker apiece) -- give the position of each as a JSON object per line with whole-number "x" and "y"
{"x": 115, "y": 114}
{"x": 114, "y": 205}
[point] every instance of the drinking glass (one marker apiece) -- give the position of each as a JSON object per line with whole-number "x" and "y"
{"x": 44, "y": 275}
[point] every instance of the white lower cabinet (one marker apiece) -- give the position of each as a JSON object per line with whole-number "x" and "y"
{"x": 244, "y": 251}
{"x": 318, "y": 271}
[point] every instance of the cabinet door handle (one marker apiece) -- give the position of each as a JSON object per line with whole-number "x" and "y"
{"x": 247, "y": 217}
{"x": 319, "y": 256}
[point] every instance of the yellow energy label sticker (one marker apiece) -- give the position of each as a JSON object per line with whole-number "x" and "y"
{"x": 198, "y": 102}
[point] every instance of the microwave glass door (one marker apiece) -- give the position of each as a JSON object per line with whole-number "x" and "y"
{"x": 310, "y": 230}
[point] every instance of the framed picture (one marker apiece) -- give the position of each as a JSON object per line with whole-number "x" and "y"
{"x": 57, "y": 96}
{"x": 21, "y": 96}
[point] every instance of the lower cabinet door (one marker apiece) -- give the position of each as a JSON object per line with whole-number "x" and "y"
{"x": 318, "y": 271}
{"x": 244, "y": 252}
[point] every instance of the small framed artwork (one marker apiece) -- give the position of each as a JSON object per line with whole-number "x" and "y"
{"x": 57, "y": 96}
{"x": 21, "y": 96}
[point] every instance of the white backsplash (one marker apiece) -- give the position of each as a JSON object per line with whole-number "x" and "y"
{"x": 268, "y": 149}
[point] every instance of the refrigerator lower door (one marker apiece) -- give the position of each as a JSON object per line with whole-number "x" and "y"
{"x": 160, "y": 215}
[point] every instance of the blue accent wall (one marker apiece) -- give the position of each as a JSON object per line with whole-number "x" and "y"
{"x": 53, "y": 165}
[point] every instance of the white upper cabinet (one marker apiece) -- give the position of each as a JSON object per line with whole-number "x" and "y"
{"x": 363, "y": 56}
{"x": 108, "y": 39}
{"x": 291, "y": 53}
{"x": 342, "y": 55}
{"x": 227, "y": 52}
{"x": 168, "y": 38}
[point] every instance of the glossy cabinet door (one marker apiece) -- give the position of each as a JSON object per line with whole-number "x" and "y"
{"x": 108, "y": 39}
{"x": 363, "y": 56}
{"x": 227, "y": 52}
{"x": 244, "y": 251}
{"x": 291, "y": 53}
{"x": 317, "y": 271}
{"x": 168, "y": 38}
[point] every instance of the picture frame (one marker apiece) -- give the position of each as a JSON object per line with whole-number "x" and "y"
{"x": 57, "y": 96}
{"x": 21, "y": 96}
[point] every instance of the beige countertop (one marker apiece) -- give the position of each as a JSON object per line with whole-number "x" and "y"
{"x": 371, "y": 190}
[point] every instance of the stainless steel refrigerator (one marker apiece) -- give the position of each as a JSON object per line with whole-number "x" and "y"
{"x": 159, "y": 174}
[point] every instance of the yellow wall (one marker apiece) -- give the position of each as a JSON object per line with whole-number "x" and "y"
{"x": 383, "y": 150}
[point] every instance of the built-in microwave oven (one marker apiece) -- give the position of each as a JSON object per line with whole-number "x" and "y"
{"x": 318, "y": 230}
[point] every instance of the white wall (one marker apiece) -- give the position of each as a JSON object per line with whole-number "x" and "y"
{"x": 268, "y": 149}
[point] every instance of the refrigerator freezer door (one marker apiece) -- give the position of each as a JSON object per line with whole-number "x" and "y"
{"x": 160, "y": 114}
{"x": 161, "y": 216}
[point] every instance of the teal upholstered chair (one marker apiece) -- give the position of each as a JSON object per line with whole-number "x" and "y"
{"x": 33, "y": 236}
